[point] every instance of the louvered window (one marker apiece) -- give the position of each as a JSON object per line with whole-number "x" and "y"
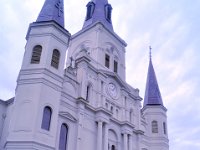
{"x": 55, "y": 59}
{"x": 154, "y": 125}
{"x": 36, "y": 54}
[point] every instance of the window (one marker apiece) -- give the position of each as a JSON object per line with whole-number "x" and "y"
{"x": 46, "y": 120}
{"x": 63, "y": 137}
{"x": 115, "y": 66}
{"x": 154, "y": 125}
{"x": 36, "y": 54}
{"x": 108, "y": 12}
{"x": 164, "y": 128}
{"x": 111, "y": 108}
{"x": 88, "y": 92}
{"x": 55, "y": 58}
{"x": 113, "y": 147}
{"x": 90, "y": 10}
{"x": 107, "y": 60}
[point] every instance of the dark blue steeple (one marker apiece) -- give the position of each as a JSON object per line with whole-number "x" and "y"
{"x": 99, "y": 11}
{"x": 152, "y": 93}
{"x": 52, "y": 10}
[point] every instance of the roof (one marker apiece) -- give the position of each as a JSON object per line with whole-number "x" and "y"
{"x": 7, "y": 102}
{"x": 52, "y": 10}
{"x": 152, "y": 93}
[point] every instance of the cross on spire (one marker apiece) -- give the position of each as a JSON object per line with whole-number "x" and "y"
{"x": 52, "y": 10}
{"x": 60, "y": 8}
{"x": 150, "y": 55}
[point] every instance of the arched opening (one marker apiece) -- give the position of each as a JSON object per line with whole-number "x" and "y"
{"x": 55, "y": 59}
{"x": 112, "y": 139}
{"x": 63, "y": 137}
{"x": 46, "y": 120}
{"x": 36, "y": 54}
{"x": 113, "y": 147}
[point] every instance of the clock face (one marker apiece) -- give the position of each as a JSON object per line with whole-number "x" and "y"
{"x": 112, "y": 90}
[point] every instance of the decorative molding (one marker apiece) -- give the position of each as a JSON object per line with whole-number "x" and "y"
{"x": 67, "y": 115}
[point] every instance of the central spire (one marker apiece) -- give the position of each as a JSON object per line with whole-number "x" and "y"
{"x": 152, "y": 93}
{"x": 52, "y": 10}
{"x": 99, "y": 11}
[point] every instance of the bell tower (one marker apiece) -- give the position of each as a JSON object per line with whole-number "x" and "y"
{"x": 154, "y": 113}
{"x": 40, "y": 81}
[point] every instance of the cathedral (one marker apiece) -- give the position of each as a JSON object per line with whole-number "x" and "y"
{"x": 72, "y": 93}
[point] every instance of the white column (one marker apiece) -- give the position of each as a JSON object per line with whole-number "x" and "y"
{"x": 130, "y": 142}
{"x": 125, "y": 141}
{"x": 106, "y": 137}
{"x": 99, "y": 135}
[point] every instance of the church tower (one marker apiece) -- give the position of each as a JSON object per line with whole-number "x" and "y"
{"x": 97, "y": 37}
{"x": 154, "y": 113}
{"x": 40, "y": 81}
{"x": 108, "y": 109}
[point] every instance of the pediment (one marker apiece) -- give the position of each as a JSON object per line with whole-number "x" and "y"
{"x": 116, "y": 78}
{"x": 67, "y": 115}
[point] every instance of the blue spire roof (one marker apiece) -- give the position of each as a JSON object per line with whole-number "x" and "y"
{"x": 99, "y": 11}
{"x": 152, "y": 93}
{"x": 52, "y": 10}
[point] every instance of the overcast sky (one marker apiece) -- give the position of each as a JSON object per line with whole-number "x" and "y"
{"x": 171, "y": 27}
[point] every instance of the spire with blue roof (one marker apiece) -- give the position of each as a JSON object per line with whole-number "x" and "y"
{"x": 152, "y": 93}
{"x": 99, "y": 11}
{"x": 52, "y": 10}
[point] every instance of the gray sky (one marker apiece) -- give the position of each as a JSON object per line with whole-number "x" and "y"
{"x": 171, "y": 27}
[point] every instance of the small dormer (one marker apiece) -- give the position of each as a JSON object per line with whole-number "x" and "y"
{"x": 108, "y": 12}
{"x": 90, "y": 10}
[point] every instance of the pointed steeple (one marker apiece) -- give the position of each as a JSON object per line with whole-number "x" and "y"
{"x": 52, "y": 10}
{"x": 152, "y": 93}
{"x": 99, "y": 11}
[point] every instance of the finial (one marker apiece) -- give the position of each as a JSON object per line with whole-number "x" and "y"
{"x": 150, "y": 56}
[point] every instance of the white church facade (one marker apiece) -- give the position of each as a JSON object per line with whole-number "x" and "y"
{"x": 72, "y": 92}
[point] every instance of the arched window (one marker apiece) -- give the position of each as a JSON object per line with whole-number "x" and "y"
{"x": 46, "y": 120}
{"x": 154, "y": 125}
{"x": 164, "y": 128}
{"x": 55, "y": 58}
{"x": 113, "y": 147}
{"x": 63, "y": 137}
{"x": 36, "y": 54}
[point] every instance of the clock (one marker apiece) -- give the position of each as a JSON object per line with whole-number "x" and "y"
{"x": 112, "y": 90}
